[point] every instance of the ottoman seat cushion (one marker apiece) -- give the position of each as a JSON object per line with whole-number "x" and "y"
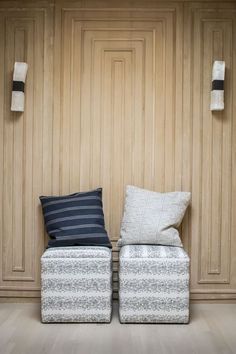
{"x": 77, "y": 252}
{"x": 76, "y": 284}
{"x": 153, "y": 284}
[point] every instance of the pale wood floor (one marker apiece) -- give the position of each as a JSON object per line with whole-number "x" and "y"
{"x": 212, "y": 330}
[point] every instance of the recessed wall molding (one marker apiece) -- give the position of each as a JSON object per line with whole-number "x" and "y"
{"x": 213, "y": 200}
{"x": 24, "y": 151}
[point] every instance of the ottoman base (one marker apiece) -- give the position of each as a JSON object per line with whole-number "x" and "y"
{"x": 153, "y": 284}
{"x": 76, "y": 284}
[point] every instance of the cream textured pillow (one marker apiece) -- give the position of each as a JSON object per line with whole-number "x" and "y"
{"x": 152, "y": 218}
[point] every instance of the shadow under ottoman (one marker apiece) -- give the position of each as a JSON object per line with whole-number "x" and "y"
{"x": 153, "y": 284}
{"x": 76, "y": 284}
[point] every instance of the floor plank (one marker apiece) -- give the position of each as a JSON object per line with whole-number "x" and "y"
{"x": 212, "y": 330}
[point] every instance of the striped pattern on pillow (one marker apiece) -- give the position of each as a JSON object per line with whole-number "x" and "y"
{"x": 75, "y": 220}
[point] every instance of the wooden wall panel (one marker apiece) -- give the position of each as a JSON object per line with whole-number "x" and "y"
{"x": 118, "y": 93}
{"x": 18, "y": 148}
{"x": 212, "y": 146}
{"x": 23, "y": 149}
{"x": 116, "y": 121}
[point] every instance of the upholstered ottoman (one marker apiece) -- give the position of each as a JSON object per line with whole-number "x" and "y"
{"x": 76, "y": 284}
{"x": 153, "y": 284}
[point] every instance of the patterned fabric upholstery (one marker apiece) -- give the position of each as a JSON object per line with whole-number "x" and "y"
{"x": 76, "y": 284}
{"x": 153, "y": 284}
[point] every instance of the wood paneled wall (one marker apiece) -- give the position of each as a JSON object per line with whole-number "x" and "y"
{"x": 118, "y": 93}
{"x": 25, "y": 145}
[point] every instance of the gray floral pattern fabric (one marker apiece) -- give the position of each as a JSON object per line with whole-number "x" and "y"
{"x": 153, "y": 284}
{"x": 76, "y": 284}
{"x": 152, "y": 218}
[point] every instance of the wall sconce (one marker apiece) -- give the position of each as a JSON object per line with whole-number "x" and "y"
{"x": 18, "y": 87}
{"x": 217, "y": 91}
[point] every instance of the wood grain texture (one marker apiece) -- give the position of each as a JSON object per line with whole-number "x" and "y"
{"x": 25, "y": 146}
{"x": 118, "y": 93}
{"x": 117, "y": 125}
{"x": 211, "y": 330}
{"x": 210, "y": 150}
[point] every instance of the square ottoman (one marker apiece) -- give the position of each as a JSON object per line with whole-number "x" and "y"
{"x": 153, "y": 284}
{"x": 76, "y": 284}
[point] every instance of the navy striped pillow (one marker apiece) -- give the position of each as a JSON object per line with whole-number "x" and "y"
{"x": 75, "y": 220}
